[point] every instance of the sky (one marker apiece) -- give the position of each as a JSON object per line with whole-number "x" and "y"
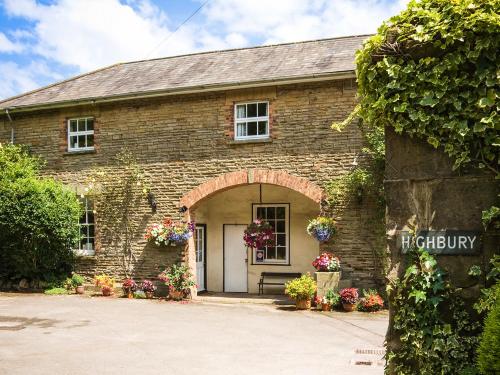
{"x": 45, "y": 41}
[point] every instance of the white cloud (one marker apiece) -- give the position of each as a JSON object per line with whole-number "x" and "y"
{"x": 17, "y": 79}
{"x": 6, "y": 45}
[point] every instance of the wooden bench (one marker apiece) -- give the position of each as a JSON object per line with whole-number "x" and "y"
{"x": 282, "y": 275}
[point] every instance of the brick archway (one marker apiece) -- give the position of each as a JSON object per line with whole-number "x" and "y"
{"x": 252, "y": 176}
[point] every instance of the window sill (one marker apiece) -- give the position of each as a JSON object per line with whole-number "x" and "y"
{"x": 271, "y": 264}
{"x": 248, "y": 141}
{"x": 82, "y": 152}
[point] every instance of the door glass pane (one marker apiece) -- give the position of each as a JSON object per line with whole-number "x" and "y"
{"x": 241, "y": 111}
{"x": 252, "y": 110}
{"x": 252, "y": 128}
{"x": 262, "y": 109}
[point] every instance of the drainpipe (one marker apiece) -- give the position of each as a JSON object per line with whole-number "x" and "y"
{"x": 11, "y": 126}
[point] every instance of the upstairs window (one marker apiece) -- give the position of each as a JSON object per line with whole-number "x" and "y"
{"x": 81, "y": 134}
{"x": 251, "y": 120}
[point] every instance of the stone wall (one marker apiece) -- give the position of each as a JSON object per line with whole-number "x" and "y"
{"x": 184, "y": 141}
{"x": 423, "y": 191}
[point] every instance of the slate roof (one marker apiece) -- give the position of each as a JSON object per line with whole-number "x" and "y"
{"x": 201, "y": 71}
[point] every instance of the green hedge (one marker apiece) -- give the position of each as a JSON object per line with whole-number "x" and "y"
{"x": 38, "y": 220}
{"x": 489, "y": 347}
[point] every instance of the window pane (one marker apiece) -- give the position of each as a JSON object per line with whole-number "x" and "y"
{"x": 83, "y": 231}
{"x": 281, "y": 240}
{"x": 90, "y": 245}
{"x": 90, "y": 124}
{"x": 280, "y": 212}
{"x": 91, "y": 231}
{"x": 252, "y": 110}
{"x": 81, "y": 125}
{"x": 90, "y": 140}
{"x": 72, "y": 125}
{"x": 241, "y": 111}
{"x": 262, "y": 109}
{"x": 261, "y": 213}
{"x": 272, "y": 223}
{"x": 262, "y": 127}
{"x": 241, "y": 129}
{"x": 271, "y": 253}
{"x": 271, "y": 212}
{"x": 281, "y": 253}
{"x": 81, "y": 141}
{"x": 280, "y": 226}
{"x": 90, "y": 215}
{"x": 251, "y": 128}
{"x": 73, "y": 142}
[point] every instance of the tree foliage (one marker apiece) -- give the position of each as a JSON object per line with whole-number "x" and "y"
{"x": 433, "y": 72}
{"x": 38, "y": 220}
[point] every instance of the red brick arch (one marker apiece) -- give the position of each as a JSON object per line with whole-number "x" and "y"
{"x": 252, "y": 176}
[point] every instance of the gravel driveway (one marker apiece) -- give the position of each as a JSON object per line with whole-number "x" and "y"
{"x": 81, "y": 335}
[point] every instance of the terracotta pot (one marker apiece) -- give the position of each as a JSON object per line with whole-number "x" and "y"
{"x": 149, "y": 295}
{"x": 303, "y": 304}
{"x": 349, "y": 306}
{"x": 130, "y": 294}
{"x": 106, "y": 292}
{"x": 80, "y": 289}
{"x": 326, "y": 307}
{"x": 176, "y": 295}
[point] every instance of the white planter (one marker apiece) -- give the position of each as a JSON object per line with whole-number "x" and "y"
{"x": 325, "y": 281}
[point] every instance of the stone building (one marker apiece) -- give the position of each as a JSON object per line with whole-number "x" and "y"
{"x": 223, "y": 137}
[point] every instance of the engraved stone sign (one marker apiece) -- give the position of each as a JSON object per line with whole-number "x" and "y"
{"x": 442, "y": 242}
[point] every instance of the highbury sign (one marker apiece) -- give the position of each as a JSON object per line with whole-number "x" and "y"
{"x": 442, "y": 242}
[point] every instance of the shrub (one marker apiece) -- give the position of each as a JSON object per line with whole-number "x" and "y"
{"x": 303, "y": 287}
{"x": 177, "y": 278}
{"x": 104, "y": 281}
{"x": 129, "y": 285}
{"x": 332, "y": 297}
{"x": 148, "y": 286}
{"x": 489, "y": 346}
{"x": 76, "y": 280}
{"x": 371, "y": 301}
{"x": 38, "y": 220}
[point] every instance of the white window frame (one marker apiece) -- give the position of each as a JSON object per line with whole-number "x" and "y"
{"x": 251, "y": 119}
{"x": 285, "y": 261}
{"x": 79, "y": 133}
{"x": 79, "y": 250}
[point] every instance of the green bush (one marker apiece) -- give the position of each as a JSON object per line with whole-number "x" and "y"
{"x": 38, "y": 220}
{"x": 303, "y": 287}
{"x": 489, "y": 346}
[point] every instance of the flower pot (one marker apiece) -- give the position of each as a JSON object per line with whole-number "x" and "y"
{"x": 176, "y": 294}
{"x": 303, "y": 304}
{"x": 326, "y": 307}
{"x": 349, "y": 306}
{"x": 106, "y": 292}
{"x": 130, "y": 294}
{"x": 149, "y": 295}
{"x": 80, "y": 289}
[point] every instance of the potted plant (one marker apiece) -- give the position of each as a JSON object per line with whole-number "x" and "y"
{"x": 323, "y": 304}
{"x": 322, "y": 228}
{"x": 301, "y": 290}
{"x": 371, "y": 301}
{"x": 328, "y": 272}
{"x": 332, "y": 297}
{"x": 77, "y": 283}
{"x": 258, "y": 234}
{"x": 179, "y": 280}
{"x": 106, "y": 283}
{"x": 129, "y": 286}
{"x": 169, "y": 232}
{"x": 349, "y": 298}
{"x": 148, "y": 288}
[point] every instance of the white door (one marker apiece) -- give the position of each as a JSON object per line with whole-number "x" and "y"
{"x": 200, "y": 257}
{"x": 235, "y": 259}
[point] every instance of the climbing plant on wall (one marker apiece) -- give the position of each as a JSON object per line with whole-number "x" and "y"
{"x": 119, "y": 191}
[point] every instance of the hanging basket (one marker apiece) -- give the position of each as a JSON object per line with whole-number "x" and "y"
{"x": 322, "y": 228}
{"x": 258, "y": 234}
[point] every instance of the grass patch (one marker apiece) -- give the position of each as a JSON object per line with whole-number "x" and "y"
{"x": 56, "y": 291}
